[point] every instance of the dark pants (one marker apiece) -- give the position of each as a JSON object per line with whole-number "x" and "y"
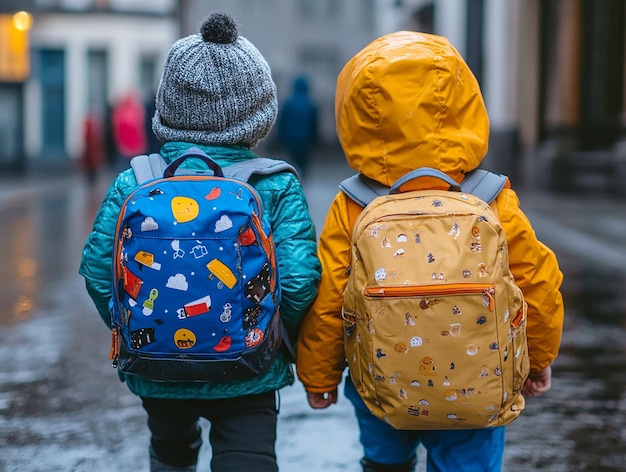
{"x": 242, "y": 434}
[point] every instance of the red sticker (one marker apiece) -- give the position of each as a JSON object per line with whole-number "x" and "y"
{"x": 132, "y": 283}
{"x": 223, "y": 344}
{"x": 214, "y": 193}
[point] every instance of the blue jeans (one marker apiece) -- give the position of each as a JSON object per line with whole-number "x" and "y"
{"x": 470, "y": 450}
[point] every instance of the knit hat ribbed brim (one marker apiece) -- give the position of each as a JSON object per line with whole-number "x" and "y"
{"x": 216, "y": 88}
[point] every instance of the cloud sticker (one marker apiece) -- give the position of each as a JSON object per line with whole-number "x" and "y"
{"x": 223, "y": 224}
{"x": 177, "y": 282}
{"x": 149, "y": 224}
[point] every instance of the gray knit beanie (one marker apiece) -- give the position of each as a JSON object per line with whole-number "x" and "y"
{"x": 216, "y": 88}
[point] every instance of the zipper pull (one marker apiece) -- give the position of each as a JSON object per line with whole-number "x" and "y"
{"x": 519, "y": 316}
{"x": 114, "y": 353}
{"x": 268, "y": 245}
{"x": 126, "y": 234}
{"x": 489, "y": 293}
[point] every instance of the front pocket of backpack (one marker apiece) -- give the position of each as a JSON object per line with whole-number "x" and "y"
{"x": 435, "y": 346}
{"x": 442, "y": 310}
{"x": 407, "y": 291}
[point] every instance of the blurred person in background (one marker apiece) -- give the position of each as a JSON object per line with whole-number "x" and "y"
{"x": 217, "y": 94}
{"x": 298, "y": 125}
{"x": 128, "y": 126}
{"x": 93, "y": 154}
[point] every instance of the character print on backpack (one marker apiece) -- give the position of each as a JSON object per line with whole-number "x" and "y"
{"x": 196, "y": 293}
{"x": 434, "y": 323}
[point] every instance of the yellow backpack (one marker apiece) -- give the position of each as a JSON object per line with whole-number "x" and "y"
{"x": 435, "y": 326}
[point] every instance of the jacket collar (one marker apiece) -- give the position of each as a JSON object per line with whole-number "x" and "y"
{"x": 224, "y": 155}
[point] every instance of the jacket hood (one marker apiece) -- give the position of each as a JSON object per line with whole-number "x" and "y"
{"x": 409, "y": 100}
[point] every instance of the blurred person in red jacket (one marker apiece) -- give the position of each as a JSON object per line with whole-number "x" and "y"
{"x": 92, "y": 156}
{"x": 128, "y": 128}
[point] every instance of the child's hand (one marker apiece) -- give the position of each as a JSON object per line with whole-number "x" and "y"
{"x": 538, "y": 383}
{"x": 322, "y": 400}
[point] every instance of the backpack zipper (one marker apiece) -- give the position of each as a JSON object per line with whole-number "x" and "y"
{"x": 117, "y": 266}
{"x": 252, "y": 190}
{"x": 117, "y": 269}
{"x": 398, "y": 291}
{"x": 114, "y": 353}
{"x": 268, "y": 246}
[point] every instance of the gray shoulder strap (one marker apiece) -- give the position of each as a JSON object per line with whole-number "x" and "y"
{"x": 362, "y": 189}
{"x": 152, "y": 166}
{"x": 147, "y": 167}
{"x": 260, "y": 166}
{"x": 481, "y": 183}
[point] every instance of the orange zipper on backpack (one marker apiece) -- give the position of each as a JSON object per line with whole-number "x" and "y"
{"x": 433, "y": 290}
{"x": 117, "y": 247}
{"x": 114, "y": 353}
{"x": 268, "y": 246}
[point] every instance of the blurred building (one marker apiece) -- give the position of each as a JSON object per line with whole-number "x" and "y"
{"x": 298, "y": 37}
{"x": 552, "y": 71}
{"x": 73, "y": 57}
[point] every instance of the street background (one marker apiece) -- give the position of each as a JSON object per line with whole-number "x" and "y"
{"x": 62, "y": 407}
{"x": 553, "y": 78}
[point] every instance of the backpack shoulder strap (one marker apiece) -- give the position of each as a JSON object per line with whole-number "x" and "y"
{"x": 484, "y": 184}
{"x": 151, "y": 166}
{"x": 260, "y": 166}
{"x": 479, "y": 182}
{"x": 148, "y": 166}
{"x": 362, "y": 189}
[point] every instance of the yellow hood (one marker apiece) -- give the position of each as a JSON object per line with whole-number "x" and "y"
{"x": 409, "y": 100}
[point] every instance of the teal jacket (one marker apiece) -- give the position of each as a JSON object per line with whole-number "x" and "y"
{"x": 294, "y": 236}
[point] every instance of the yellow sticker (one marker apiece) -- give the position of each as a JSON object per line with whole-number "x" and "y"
{"x": 184, "y": 209}
{"x": 144, "y": 258}
{"x": 222, "y": 272}
{"x": 184, "y": 338}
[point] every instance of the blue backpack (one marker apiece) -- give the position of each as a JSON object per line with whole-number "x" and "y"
{"x": 196, "y": 292}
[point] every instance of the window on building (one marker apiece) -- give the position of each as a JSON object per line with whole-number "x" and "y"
{"x": 318, "y": 60}
{"x": 333, "y": 8}
{"x": 97, "y": 84}
{"x": 366, "y": 10}
{"x": 11, "y": 130}
{"x": 321, "y": 9}
{"x": 306, "y": 8}
{"x": 148, "y": 79}
{"x": 51, "y": 73}
{"x": 474, "y": 37}
{"x": 249, "y": 6}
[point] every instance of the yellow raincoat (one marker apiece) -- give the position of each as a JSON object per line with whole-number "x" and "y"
{"x": 409, "y": 100}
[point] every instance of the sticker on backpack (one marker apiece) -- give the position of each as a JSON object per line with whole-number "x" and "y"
{"x": 435, "y": 338}
{"x": 195, "y": 291}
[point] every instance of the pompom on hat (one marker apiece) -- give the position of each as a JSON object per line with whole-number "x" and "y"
{"x": 216, "y": 88}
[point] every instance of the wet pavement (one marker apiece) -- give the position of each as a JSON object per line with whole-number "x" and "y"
{"x": 63, "y": 409}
